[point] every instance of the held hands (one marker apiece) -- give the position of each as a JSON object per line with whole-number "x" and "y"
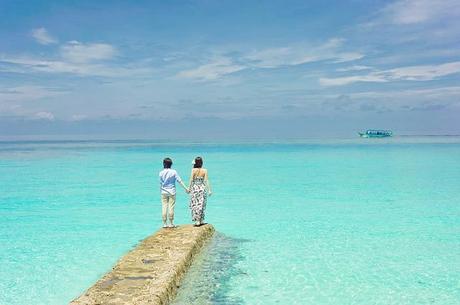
{"x": 187, "y": 190}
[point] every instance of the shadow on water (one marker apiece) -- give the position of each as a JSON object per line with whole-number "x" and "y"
{"x": 208, "y": 280}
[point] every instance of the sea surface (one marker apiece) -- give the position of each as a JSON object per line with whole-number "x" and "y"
{"x": 350, "y": 221}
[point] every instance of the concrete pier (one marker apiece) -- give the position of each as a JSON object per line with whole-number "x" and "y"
{"x": 151, "y": 273}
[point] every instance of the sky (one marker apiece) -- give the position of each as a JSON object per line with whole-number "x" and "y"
{"x": 228, "y": 69}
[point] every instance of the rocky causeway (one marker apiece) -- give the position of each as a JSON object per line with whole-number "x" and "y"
{"x": 150, "y": 273}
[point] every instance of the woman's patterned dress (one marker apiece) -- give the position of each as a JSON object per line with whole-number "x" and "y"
{"x": 198, "y": 197}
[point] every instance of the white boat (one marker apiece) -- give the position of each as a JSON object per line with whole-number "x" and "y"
{"x": 376, "y": 133}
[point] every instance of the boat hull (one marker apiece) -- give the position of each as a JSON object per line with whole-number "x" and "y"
{"x": 366, "y": 135}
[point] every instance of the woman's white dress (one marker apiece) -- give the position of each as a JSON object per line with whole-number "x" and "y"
{"x": 198, "y": 198}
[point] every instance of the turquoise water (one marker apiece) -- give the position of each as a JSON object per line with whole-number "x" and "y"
{"x": 316, "y": 222}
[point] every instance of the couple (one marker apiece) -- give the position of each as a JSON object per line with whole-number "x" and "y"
{"x": 199, "y": 188}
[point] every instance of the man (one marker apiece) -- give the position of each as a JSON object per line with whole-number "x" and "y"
{"x": 168, "y": 178}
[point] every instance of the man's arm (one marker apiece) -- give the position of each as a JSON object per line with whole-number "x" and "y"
{"x": 183, "y": 185}
{"x": 178, "y": 179}
{"x": 160, "y": 180}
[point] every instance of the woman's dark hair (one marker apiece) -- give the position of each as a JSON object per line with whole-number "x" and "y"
{"x": 198, "y": 162}
{"x": 167, "y": 162}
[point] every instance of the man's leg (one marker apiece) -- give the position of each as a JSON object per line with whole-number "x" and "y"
{"x": 172, "y": 204}
{"x": 164, "y": 204}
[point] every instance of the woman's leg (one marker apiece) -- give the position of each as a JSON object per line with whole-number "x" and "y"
{"x": 202, "y": 207}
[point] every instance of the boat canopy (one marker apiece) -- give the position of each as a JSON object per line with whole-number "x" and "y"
{"x": 376, "y": 132}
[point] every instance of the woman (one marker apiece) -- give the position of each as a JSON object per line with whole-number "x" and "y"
{"x": 200, "y": 189}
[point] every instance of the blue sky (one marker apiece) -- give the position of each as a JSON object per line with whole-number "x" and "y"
{"x": 229, "y": 68}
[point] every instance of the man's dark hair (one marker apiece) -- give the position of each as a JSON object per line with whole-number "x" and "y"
{"x": 167, "y": 162}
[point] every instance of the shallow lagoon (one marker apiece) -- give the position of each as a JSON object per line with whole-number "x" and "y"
{"x": 311, "y": 222}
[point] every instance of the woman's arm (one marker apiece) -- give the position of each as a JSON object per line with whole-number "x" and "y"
{"x": 208, "y": 183}
{"x": 191, "y": 179}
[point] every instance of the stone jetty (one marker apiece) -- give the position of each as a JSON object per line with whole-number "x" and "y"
{"x": 151, "y": 273}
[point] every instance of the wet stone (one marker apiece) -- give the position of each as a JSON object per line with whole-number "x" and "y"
{"x": 109, "y": 282}
{"x": 148, "y": 261}
{"x": 138, "y": 277}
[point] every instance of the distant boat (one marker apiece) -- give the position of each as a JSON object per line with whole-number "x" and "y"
{"x": 373, "y": 133}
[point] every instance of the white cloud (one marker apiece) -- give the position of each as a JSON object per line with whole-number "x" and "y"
{"x": 214, "y": 70}
{"x": 84, "y": 59}
{"x": 272, "y": 58}
{"x": 77, "y": 52}
{"x": 354, "y": 68}
{"x": 425, "y": 72}
{"x": 431, "y": 23}
{"x": 42, "y": 36}
{"x": 27, "y": 93}
{"x": 431, "y": 93}
{"x": 411, "y": 73}
{"x": 43, "y": 115}
{"x": 276, "y": 57}
{"x": 420, "y": 11}
{"x": 351, "y": 56}
{"x": 28, "y": 64}
{"x": 78, "y": 117}
{"x": 341, "y": 81}
{"x": 301, "y": 54}
{"x": 430, "y": 99}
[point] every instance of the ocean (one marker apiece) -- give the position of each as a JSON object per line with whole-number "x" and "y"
{"x": 346, "y": 221}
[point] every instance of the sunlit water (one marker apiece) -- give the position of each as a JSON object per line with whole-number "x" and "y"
{"x": 315, "y": 222}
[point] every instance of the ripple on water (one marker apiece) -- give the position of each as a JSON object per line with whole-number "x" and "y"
{"x": 207, "y": 281}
